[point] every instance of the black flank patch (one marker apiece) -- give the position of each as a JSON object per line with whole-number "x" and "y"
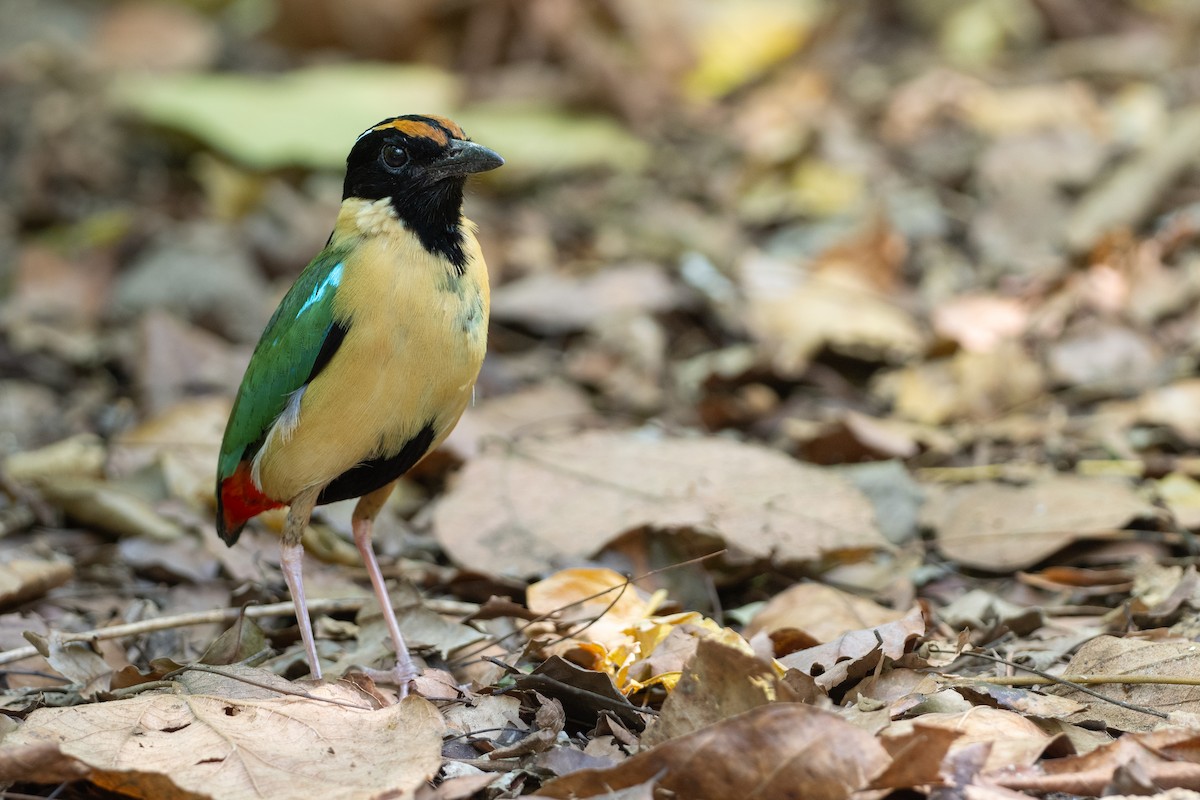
{"x": 378, "y": 472}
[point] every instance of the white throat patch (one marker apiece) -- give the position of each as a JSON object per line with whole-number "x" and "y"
{"x": 376, "y": 218}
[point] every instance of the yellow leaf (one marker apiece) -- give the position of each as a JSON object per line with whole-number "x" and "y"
{"x": 737, "y": 41}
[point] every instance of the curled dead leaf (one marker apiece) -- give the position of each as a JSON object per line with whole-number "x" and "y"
{"x": 857, "y": 653}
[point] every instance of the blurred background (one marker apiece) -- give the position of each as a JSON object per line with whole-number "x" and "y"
{"x": 896, "y": 295}
{"x": 942, "y": 234}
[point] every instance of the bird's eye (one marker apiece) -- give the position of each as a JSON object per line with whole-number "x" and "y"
{"x": 394, "y": 156}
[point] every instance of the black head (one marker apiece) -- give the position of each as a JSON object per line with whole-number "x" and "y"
{"x": 421, "y": 164}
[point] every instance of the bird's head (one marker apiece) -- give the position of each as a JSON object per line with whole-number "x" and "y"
{"x": 421, "y": 164}
{"x": 405, "y": 155}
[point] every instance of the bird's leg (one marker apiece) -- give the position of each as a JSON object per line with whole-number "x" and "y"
{"x": 291, "y": 560}
{"x": 362, "y": 522}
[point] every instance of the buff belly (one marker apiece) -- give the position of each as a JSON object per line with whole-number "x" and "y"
{"x": 409, "y": 360}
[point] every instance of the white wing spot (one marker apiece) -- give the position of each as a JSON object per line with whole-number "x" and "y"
{"x": 289, "y": 418}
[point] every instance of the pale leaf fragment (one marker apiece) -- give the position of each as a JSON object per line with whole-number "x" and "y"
{"x": 822, "y": 612}
{"x": 23, "y": 579}
{"x": 793, "y": 324}
{"x": 1014, "y": 740}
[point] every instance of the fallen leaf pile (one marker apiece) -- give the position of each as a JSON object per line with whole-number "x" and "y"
{"x": 839, "y": 435}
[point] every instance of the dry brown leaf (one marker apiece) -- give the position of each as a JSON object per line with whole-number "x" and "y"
{"x": 1167, "y": 758}
{"x": 624, "y": 358}
{"x": 1014, "y": 740}
{"x": 919, "y": 103}
{"x": 872, "y": 257}
{"x": 779, "y": 751}
{"x": 552, "y": 302}
{"x": 529, "y": 506}
{"x": 153, "y": 36}
{"x": 671, "y": 653}
{"x": 108, "y": 507}
{"x": 987, "y": 616}
{"x": 76, "y": 661}
{"x": 1176, "y": 406}
{"x": 970, "y": 385}
{"x": 176, "y": 361}
{"x": 857, "y": 653}
{"x": 460, "y": 787}
{"x": 24, "y": 578}
{"x": 719, "y": 682}
{"x": 853, "y": 438}
{"x": 548, "y": 723}
{"x": 1109, "y": 655}
{"x": 1128, "y": 195}
{"x": 528, "y": 410}
{"x": 1105, "y": 358}
{"x": 820, "y": 611}
{"x": 159, "y": 747}
{"x": 997, "y": 527}
{"x": 1181, "y": 494}
{"x": 81, "y": 456}
{"x": 584, "y": 693}
{"x": 792, "y": 319}
{"x": 48, "y": 287}
{"x": 491, "y": 713}
{"x": 1024, "y": 701}
{"x": 1159, "y": 590}
{"x": 916, "y": 756}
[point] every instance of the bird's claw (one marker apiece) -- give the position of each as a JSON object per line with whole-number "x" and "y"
{"x": 401, "y": 676}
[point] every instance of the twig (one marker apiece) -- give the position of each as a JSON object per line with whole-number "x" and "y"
{"x": 1072, "y": 683}
{"x": 261, "y": 685}
{"x": 1082, "y": 680}
{"x": 226, "y": 615}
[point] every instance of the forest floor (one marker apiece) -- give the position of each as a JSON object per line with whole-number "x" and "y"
{"x": 839, "y": 434}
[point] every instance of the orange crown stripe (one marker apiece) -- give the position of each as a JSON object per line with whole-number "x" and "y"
{"x": 417, "y": 129}
{"x": 449, "y": 125}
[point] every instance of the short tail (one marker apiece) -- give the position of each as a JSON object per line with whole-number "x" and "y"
{"x": 239, "y": 501}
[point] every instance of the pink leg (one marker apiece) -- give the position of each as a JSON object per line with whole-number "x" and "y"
{"x": 291, "y": 560}
{"x": 362, "y": 522}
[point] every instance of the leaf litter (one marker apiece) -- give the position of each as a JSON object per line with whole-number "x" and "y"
{"x": 836, "y": 437}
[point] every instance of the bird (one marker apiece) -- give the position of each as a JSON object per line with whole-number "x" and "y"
{"x": 371, "y": 356}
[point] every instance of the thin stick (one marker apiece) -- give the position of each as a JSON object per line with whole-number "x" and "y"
{"x": 226, "y": 615}
{"x": 1082, "y": 680}
{"x": 1072, "y": 683}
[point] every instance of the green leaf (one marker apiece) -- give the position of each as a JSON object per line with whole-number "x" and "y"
{"x": 307, "y": 118}
{"x": 310, "y": 117}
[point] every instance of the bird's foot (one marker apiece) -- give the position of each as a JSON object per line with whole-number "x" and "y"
{"x": 401, "y": 676}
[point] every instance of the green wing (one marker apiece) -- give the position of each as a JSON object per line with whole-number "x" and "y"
{"x": 298, "y": 342}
